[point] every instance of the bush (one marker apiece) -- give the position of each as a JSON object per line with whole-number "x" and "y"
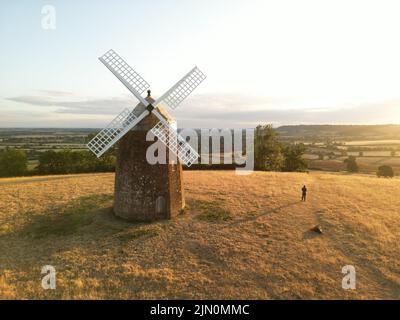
{"x": 13, "y": 162}
{"x": 385, "y": 171}
{"x": 351, "y": 164}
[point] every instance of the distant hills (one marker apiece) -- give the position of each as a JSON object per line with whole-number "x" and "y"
{"x": 341, "y": 131}
{"x": 317, "y": 132}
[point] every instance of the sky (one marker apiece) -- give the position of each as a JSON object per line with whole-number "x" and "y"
{"x": 280, "y": 62}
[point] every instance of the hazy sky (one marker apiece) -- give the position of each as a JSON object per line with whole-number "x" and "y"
{"x": 280, "y": 62}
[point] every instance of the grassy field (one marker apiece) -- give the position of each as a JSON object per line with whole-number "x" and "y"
{"x": 241, "y": 237}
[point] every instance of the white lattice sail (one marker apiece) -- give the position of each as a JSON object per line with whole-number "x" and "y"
{"x": 116, "y": 129}
{"x": 125, "y": 73}
{"x": 178, "y": 145}
{"x": 182, "y": 88}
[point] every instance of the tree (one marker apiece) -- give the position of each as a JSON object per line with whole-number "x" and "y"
{"x": 52, "y": 162}
{"x": 267, "y": 149}
{"x": 351, "y": 164}
{"x": 293, "y": 158}
{"x": 385, "y": 171}
{"x": 13, "y": 163}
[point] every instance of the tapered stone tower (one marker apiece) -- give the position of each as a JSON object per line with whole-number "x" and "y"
{"x": 146, "y": 192}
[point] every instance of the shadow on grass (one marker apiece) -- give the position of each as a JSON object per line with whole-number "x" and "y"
{"x": 253, "y": 216}
{"x": 69, "y": 219}
{"x": 309, "y": 234}
{"x": 90, "y": 217}
{"x": 211, "y": 211}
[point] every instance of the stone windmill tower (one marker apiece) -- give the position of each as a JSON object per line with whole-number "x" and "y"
{"x": 144, "y": 191}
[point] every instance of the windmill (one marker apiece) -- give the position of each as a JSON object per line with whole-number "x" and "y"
{"x": 144, "y": 191}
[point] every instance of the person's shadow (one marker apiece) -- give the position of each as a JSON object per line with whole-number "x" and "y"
{"x": 262, "y": 214}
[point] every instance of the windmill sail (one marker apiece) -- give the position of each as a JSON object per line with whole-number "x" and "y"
{"x": 174, "y": 141}
{"x": 129, "y": 77}
{"x": 116, "y": 129}
{"x": 174, "y": 96}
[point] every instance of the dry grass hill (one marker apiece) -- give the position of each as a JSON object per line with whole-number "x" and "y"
{"x": 241, "y": 237}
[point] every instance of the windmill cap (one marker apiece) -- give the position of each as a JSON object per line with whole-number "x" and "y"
{"x": 151, "y": 120}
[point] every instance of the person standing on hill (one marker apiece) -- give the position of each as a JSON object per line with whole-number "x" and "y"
{"x": 303, "y": 193}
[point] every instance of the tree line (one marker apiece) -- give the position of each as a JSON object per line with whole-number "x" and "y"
{"x": 14, "y": 162}
{"x": 68, "y": 161}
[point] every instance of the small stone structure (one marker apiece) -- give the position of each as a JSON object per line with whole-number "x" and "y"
{"x": 146, "y": 192}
